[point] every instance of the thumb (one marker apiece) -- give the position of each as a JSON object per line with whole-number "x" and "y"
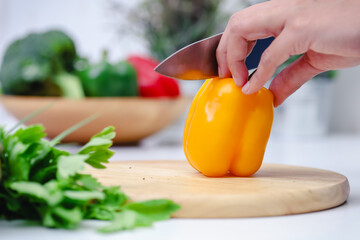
{"x": 292, "y": 78}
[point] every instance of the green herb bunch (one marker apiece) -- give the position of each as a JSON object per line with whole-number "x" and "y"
{"x": 43, "y": 183}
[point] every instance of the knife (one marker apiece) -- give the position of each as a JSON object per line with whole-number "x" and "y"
{"x": 197, "y": 61}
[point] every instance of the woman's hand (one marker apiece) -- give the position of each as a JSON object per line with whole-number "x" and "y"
{"x": 326, "y": 31}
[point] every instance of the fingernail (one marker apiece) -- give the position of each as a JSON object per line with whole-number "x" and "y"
{"x": 220, "y": 73}
{"x": 246, "y": 88}
{"x": 237, "y": 81}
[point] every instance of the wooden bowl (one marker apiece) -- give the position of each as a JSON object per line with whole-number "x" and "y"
{"x": 133, "y": 118}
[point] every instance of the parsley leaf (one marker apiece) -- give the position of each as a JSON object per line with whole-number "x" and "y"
{"x": 42, "y": 183}
{"x": 141, "y": 214}
{"x": 98, "y": 148}
{"x": 68, "y": 166}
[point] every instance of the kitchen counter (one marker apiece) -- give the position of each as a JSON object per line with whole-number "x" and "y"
{"x": 340, "y": 153}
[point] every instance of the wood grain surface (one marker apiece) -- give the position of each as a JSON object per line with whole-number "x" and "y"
{"x": 274, "y": 190}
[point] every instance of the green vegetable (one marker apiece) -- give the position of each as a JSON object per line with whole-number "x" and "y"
{"x": 40, "y": 182}
{"x": 41, "y": 64}
{"x": 108, "y": 80}
{"x": 70, "y": 85}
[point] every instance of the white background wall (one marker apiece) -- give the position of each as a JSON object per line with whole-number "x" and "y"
{"x": 91, "y": 23}
{"x": 346, "y": 102}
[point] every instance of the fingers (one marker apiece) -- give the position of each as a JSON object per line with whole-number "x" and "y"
{"x": 221, "y": 56}
{"x": 239, "y": 38}
{"x": 236, "y": 59}
{"x": 232, "y": 63}
{"x": 275, "y": 55}
{"x": 292, "y": 78}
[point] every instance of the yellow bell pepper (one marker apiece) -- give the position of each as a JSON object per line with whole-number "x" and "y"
{"x": 226, "y": 130}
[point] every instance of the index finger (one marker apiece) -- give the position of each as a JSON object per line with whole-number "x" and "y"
{"x": 243, "y": 29}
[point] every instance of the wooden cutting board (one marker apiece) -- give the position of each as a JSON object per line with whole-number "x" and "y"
{"x": 274, "y": 190}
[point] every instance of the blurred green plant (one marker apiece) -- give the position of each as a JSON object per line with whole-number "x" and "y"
{"x": 168, "y": 25}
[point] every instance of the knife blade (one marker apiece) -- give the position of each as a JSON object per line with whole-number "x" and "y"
{"x": 197, "y": 61}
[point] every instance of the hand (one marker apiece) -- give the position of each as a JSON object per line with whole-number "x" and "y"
{"x": 327, "y": 32}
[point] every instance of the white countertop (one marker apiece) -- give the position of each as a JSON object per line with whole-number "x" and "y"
{"x": 340, "y": 153}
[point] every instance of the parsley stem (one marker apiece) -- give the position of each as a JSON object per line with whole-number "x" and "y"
{"x": 30, "y": 116}
{"x": 62, "y": 135}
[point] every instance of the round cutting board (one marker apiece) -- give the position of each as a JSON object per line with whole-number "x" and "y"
{"x": 274, "y": 190}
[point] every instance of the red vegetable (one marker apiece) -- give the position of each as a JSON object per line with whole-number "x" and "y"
{"x": 152, "y": 84}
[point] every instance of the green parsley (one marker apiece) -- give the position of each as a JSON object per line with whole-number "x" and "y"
{"x": 43, "y": 183}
